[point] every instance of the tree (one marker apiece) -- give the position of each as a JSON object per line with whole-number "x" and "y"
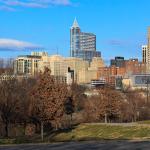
{"x": 9, "y": 102}
{"x": 78, "y": 96}
{"x": 6, "y": 66}
{"x": 69, "y": 108}
{"x": 48, "y": 98}
{"x": 92, "y": 109}
{"x": 110, "y": 104}
{"x": 137, "y": 106}
{"x": 105, "y": 106}
{"x": 26, "y": 103}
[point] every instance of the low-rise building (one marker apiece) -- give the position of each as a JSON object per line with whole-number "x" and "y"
{"x": 136, "y": 81}
{"x": 6, "y": 77}
{"x": 128, "y": 67}
{"x": 28, "y": 64}
{"x": 133, "y": 66}
{"x": 98, "y": 83}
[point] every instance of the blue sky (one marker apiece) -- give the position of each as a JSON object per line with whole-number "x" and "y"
{"x": 120, "y": 25}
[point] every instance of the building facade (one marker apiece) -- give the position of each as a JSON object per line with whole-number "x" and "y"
{"x": 6, "y": 77}
{"x": 136, "y": 81}
{"x": 144, "y": 53}
{"x": 82, "y": 45}
{"x": 134, "y": 66}
{"x": 118, "y": 62}
{"x": 64, "y": 67}
{"x": 130, "y": 67}
{"x": 76, "y": 65}
{"x": 73, "y": 69}
{"x": 148, "y": 52}
{"x": 69, "y": 70}
{"x": 96, "y": 63}
{"x": 26, "y": 64}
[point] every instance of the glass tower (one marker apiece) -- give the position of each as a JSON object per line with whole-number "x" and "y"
{"x": 82, "y": 45}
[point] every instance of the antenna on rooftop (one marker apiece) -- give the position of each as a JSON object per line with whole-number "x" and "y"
{"x": 57, "y": 51}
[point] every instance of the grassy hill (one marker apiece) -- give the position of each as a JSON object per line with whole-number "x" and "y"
{"x": 144, "y": 122}
{"x": 93, "y": 131}
{"x": 102, "y": 131}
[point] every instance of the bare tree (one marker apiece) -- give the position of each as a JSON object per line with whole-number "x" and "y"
{"x": 26, "y": 85}
{"x": 136, "y": 104}
{"x": 92, "y": 109}
{"x": 78, "y": 96}
{"x": 9, "y": 102}
{"x": 105, "y": 107}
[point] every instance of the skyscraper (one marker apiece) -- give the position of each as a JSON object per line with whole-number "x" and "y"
{"x": 148, "y": 52}
{"x": 144, "y": 53}
{"x": 82, "y": 45}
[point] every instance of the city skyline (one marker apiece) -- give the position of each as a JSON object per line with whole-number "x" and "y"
{"x": 35, "y": 24}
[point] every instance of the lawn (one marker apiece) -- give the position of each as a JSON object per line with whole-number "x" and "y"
{"x": 84, "y": 132}
{"x": 105, "y": 132}
{"x": 144, "y": 122}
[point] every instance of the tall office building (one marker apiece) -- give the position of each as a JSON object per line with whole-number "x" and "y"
{"x": 148, "y": 52}
{"x": 82, "y": 45}
{"x": 118, "y": 62}
{"x": 144, "y": 53}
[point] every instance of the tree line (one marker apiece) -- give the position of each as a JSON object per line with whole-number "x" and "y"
{"x": 48, "y": 104}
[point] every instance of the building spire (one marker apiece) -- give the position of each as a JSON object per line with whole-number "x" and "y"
{"x": 75, "y": 23}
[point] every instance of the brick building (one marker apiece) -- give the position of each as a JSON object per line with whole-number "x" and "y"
{"x": 111, "y": 73}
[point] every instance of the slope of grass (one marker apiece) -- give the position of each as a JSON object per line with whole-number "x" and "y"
{"x": 83, "y": 132}
{"x": 102, "y": 132}
{"x": 144, "y": 122}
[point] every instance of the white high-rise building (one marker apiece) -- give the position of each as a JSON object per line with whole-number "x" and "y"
{"x": 144, "y": 53}
{"x": 148, "y": 52}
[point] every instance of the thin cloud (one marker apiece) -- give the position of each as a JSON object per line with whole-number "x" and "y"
{"x": 10, "y": 5}
{"x": 6, "y": 8}
{"x": 54, "y": 2}
{"x": 16, "y": 45}
{"x": 20, "y": 3}
{"x": 116, "y": 42}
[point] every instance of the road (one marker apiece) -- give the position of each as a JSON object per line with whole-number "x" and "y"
{"x": 97, "y": 145}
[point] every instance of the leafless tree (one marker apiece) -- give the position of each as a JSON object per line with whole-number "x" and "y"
{"x": 9, "y": 102}
{"x": 105, "y": 107}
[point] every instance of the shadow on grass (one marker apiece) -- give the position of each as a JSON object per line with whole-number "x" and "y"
{"x": 51, "y": 135}
{"x": 67, "y": 135}
{"x": 36, "y": 138}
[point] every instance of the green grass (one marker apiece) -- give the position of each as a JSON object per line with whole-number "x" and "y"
{"x": 18, "y": 140}
{"x": 102, "y": 132}
{"x": 21, "y": 140}
{"x": 7, "y": 141}
{"x": 144, "y": 122}
{"x": 84, "y": 132}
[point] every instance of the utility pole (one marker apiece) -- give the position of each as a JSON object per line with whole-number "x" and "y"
{"x": 42, "y": 132}
{"x": 147, "y": 82}
{"x": 147, "y": 91}
{"x": 106, "y": 121}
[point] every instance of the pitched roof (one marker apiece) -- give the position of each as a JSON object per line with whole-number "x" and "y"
{"x": 75, "y": 24}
